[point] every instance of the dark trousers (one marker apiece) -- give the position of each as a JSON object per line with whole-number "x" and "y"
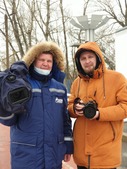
{"x": 80, "y": 167}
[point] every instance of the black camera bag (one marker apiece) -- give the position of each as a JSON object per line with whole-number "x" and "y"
{"x": 15, "y": 90}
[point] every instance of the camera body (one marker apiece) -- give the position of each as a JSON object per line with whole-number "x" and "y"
{"x": 89, "y": 109}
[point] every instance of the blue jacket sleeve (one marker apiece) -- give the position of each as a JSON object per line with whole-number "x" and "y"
{"x": 7, "y": 118}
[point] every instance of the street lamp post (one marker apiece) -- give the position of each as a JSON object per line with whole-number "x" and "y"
{"x": 89, "y": 24}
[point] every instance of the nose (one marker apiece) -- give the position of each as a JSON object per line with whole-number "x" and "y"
{"x": 87, "y": 60}
{"x": 45, "y": 62}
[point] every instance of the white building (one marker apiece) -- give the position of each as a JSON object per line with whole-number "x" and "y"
{"x": 121, "y": 51}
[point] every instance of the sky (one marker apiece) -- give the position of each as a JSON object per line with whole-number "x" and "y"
{"x": 74, "y": 6}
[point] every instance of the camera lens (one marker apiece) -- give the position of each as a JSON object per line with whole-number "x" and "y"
{"x": 90, "y": 110}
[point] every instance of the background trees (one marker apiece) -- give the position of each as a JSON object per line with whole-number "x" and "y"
{"x": 23, "y": 23}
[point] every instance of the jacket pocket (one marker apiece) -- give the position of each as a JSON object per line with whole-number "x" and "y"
{"x": 23, "y": 150}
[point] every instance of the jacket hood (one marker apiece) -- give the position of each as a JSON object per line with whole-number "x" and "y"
{"x": 58, "y": 59}
{"x": 41, "y": 47}
{"x": 91, "y": 46}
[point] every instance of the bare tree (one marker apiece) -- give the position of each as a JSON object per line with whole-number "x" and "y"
{"x": 65, "y": 37}
{"x": 116, "y": 10}
{"x": 32, "y": 21}
{"x": 117, "y": 13}
{"x": 18, "y": 36}
{"x": 29, "y": 22}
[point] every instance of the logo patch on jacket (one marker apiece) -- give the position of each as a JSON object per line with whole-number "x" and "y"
{"x": 57, "y": 100}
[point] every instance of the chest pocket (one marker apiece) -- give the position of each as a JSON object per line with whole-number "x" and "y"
{"x": 58, "y": 99}
{"x": 58, "y": 95}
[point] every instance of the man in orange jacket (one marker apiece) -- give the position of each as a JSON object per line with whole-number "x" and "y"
{"x": 98, "y": 101}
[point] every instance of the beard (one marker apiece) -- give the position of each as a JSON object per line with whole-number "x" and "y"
{"x": 89, "y": 69}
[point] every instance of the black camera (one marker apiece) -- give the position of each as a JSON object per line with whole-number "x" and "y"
{"x": 89, "y": 109}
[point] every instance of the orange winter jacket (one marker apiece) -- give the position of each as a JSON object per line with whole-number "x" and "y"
{"x": 99, "y": 140}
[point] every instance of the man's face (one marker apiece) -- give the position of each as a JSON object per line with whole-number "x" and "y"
{"x": 88, "y": 61}
{"x": 44, "y": 61}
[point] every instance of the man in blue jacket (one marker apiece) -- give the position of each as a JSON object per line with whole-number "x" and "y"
{"x": 41, "y": 137}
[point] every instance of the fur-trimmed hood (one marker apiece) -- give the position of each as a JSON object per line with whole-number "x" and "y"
{"x": 41, "y": 47}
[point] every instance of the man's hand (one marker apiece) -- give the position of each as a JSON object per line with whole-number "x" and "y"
{"x": 78, "y": 108}
{"x": 96, "y": 116}
{"x": 67, "y": 157}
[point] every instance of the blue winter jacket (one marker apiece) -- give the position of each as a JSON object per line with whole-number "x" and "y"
{"x": 42, "y": 135}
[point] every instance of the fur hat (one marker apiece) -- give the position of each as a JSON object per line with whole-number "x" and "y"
{"x": 45, "y": 46}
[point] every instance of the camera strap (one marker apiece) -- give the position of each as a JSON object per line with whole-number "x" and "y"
{"x": 88, "y": 161}
{"x": 78, "y": 86}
